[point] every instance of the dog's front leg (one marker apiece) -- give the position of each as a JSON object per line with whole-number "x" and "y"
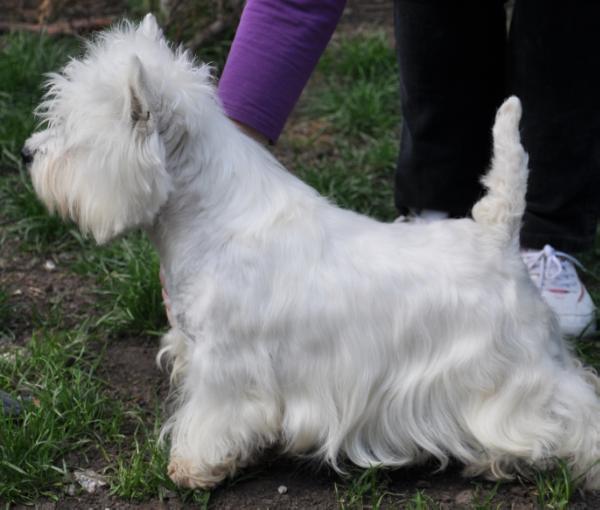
{"x": 228, "y": 413}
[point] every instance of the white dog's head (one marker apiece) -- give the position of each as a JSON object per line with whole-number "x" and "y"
{"x": 116, "y": 122}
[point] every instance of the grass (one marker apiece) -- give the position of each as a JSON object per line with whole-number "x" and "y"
{"x": 141, "y": 473}
{"x": 26, "y": 218}
{"x": 357, "y": 92}
{"x": 65, "y": 411}
{"x": 555, "y": 488}
{"x": 359, "y": 89}
{"x": 420, "y": 501}
{"x": 366, "y": 489}
{"x": 360, "y": 179}
{"x": 128, "y": 283}
{"x": 24, "y": 58}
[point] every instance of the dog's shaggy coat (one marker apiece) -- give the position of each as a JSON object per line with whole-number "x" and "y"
{"x": 296, "y": 322}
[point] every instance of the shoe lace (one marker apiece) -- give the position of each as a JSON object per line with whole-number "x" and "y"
{"x": 552, "y": 263}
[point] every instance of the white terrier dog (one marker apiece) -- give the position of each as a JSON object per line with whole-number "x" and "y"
{"x": 298, "y": 323}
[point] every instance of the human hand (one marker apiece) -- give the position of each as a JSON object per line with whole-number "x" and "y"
{"x": 251, "y": 132}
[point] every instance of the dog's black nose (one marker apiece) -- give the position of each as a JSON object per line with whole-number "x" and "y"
{"x": 26, "y": 155}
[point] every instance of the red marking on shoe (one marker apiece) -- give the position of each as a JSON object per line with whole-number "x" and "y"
{"x": 558, "y": 291}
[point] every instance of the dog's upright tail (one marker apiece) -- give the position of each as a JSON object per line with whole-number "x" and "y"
{"x": 501, "y": 209}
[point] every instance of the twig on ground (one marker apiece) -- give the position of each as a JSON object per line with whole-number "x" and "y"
{"x": 61, "y": 27}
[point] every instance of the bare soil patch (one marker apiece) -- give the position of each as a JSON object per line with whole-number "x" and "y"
{"x": 37, "y": 284}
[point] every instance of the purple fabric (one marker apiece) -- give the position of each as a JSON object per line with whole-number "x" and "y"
{"x": 276, "y": 48}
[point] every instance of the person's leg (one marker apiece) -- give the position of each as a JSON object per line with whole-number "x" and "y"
{"x": 452, "y": 79}
{"x": 555, "y": 72}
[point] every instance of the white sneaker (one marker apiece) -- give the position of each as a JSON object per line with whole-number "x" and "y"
{"x": 554, "y": 274}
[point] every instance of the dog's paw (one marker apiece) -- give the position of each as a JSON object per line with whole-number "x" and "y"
{"x": 184, "y": 473}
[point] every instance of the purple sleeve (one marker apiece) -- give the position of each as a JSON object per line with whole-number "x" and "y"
{"x": 276, "y": 47}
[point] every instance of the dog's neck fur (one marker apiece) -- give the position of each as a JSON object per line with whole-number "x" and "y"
{"x": 206, "y": 205}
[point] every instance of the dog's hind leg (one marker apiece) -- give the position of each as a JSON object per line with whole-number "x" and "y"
{"x": 576, "y": 402}
{"x": 542, "y": 413}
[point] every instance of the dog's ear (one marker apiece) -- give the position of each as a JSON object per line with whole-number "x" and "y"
{"x": 129, "y": 183}
{"x": 140, "y": 97}
{"x": 149, "y": 27}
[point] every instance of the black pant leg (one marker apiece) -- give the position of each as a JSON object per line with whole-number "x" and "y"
{"x": 452, "y": 79}
{"x": 555, "y": 70}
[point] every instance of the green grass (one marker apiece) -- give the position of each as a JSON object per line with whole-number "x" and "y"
{"x": 360, "y": 109}
{"x": 25, "y": 217}
{"x": 356, "y": 95}
{"x": 24, "y": 58}
{"x": 420, "y": 501}
{"x": 555, "y": 488}
{"x": 128, "y": 285}
{"x": 141, "y": 474}
{"x": 359, "y": 179}
{"x": 366, "y": 489}
{"x": 65, "y": 410}
{"x": 360, "y": 87}
{"x": 363, "y": 56}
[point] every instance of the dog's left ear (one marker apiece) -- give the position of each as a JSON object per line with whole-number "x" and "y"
{"x": 140, "y": 97}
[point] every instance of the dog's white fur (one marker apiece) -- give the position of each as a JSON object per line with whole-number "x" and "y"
{"x": 299, "y": 323}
